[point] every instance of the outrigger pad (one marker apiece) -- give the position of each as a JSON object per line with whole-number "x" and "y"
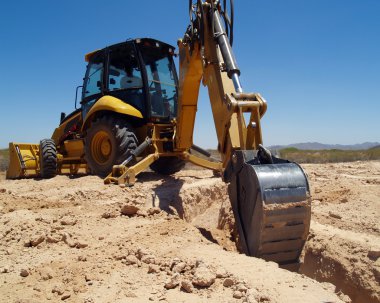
{"x": 272, "y": 207}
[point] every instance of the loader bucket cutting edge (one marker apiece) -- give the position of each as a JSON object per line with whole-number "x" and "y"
{"x": 23, "y": 160}
{"x": 272, "y": 209}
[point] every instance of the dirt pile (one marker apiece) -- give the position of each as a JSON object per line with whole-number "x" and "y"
{"x": 78, "y": 240}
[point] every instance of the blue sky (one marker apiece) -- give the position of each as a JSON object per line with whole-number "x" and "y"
{"x": 316, "y": 62}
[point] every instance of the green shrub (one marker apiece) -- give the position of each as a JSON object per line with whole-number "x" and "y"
{"x": 329, "y": 155}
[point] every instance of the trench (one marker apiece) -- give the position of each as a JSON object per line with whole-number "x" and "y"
{"x": 205, "y": 204}
{"x": 330, "y": 256}
{"x": 323, "y": 268}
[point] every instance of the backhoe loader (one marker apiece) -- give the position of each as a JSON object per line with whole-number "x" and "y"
{"x": 136, "y": 113}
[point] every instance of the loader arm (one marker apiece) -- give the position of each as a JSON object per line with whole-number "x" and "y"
{"x": 270, "y": 197}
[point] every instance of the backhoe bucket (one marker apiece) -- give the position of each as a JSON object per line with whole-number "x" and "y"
{"x": 272, "y": 208}
{"x": 23, "y": 160}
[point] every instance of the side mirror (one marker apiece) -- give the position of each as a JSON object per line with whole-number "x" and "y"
{"x": 98, "y": 83}
{"x": 112, "y": 81}
{"x": 63, "y": 116}
{"x": 76, "y": 95}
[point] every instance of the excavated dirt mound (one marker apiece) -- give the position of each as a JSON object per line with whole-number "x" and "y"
{"x": 169, "y": 239}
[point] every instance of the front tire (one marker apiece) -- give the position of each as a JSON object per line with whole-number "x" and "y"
{"x": 48, "y": 159}
{"x": 108, "y": 142}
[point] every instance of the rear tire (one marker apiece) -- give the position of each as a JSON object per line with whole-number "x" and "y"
{"x": 108, "y": 142}
{"x": 48, "y": 158}
{"x": 167, "y": 165}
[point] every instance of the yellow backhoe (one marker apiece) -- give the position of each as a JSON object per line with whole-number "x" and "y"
{"x": 136, "y": 113}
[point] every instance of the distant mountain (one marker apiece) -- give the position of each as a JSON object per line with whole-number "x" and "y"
{"x": 320, "y": 146}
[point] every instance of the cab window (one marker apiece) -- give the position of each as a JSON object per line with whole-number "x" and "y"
{"x": 124, "y": 76}
{"x": 124, "y": 71}
{"x": 162, "y": 81}
{"x": 93, "y": 79}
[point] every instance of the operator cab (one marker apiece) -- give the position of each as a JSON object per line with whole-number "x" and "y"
{"x": 140, "y": 72}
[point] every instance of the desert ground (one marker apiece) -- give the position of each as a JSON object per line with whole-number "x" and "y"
{"x": 169, "y": 239}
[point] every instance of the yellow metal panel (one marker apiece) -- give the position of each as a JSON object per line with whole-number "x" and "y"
{"x": 88, "y": 56}
{"x": 60, "y": 130}
{"x": 202, "y": 162}
{"x": 23, "y": 160}
{"x": 109, "y": 103}
{"x": 74, "y": 148}
{"x": 190, "y": 75}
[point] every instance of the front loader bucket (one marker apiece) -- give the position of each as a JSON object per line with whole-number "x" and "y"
{"x": 272, "y": 208}
{"x": 23, "y": 160}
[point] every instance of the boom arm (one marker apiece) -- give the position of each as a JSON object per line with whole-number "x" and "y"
{"x": 269, "y": 196}
{"x": 213, "y": 62}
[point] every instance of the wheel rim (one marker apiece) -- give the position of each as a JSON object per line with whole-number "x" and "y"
{"x": 101, "y": 147}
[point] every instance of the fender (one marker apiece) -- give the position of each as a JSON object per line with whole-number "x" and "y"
{"x": 112, "y": 104}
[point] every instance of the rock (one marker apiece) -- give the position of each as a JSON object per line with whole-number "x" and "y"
{"x": 343, "y": 297}
{"x": 328, "y": 286}
{"x": 82, "y": 258}
{"x": 65, "y": 296}
{"x": 335, "y": 215}
{"x": 153, "y": 210}
{"x": 37, "y": 288}
{"x": 241, "y": 287}
{"x": 3, "y": 190}
{"x": 53, "y": 238}
{"x": 180, "y": 267}
{"x": 130, "y": 294}
{"x": 141, "y": 253}
{"x": 173, "y": 281}
{"x": 228, "y": 282}
{"x": 58, "y": 289}
{"x": 91, "y": 276}
{"x": 174, "y": 262}
{"x": 34, "y": 241}
{"x": 222, "y": 273}
{"x": 24, "y": 272}
{"x": 187, "y": 286}
{"x": 142, "y": 213}
{"x": 152, "y": 269}
{"x": 67, "y": 239}
{"x": 237, "y": 294}
{"x": 46, "y": 273}
{"x": 148, "y": 259}
{"x": 68, "y": 221}
{"x": 4, "y": 270}
{"x": 109, "y": 214}
{"x": 129, "y": 210}
{"x": 131, "y": 259}
{"x": 252, "y": 296}
{"x": 81, "y": 244}
{"x": 203, "y": 277}
{"x": 373, "y": 254}
{"x": 199, "y": 263}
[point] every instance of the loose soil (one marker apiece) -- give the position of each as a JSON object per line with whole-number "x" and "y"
{"x": 169, "y": 239}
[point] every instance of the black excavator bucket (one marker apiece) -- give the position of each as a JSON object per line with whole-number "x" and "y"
{"x": 272, "y": 207}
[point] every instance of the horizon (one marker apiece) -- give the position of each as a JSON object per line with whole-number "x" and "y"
{"x": 374, "y": 143}
{"x": 318, "y": 70}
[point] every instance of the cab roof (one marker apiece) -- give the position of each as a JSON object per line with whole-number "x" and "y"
{"x": 88, "y": 56}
